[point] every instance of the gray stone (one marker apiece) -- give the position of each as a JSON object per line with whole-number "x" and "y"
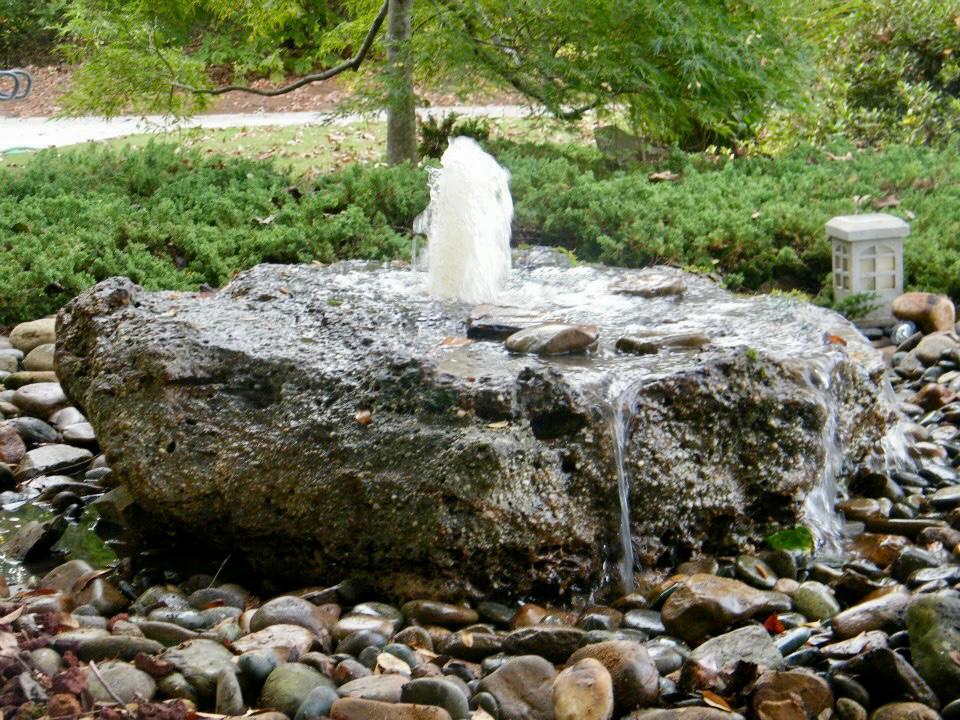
{"x": 80, "y": 434}
{"x": 251, "y": 352}
{"x": 748, "y": 644}
{"x": 523, "y": 687}
{"x": 40, "y": 399}
{"x": 317, "y": 704}
{"x": 652, "y": 284}
{"x": 17, "y": 380}
{"x": 175, "y": 685}
{"x": 890, "y": 678}
{"x": 384, "y": 688}
{"x": 46, "y": 661}
{"x": 288, "y": 610}
{"x": 439, "y": 692}
{"x": 53, "y": 460}
{"x": 66, "y": 417}
{"x": 289, "y": 685}
{"x": 124, "y": 681}
{"x": 40, "y": 358}
{"x": 200, "y": 662}
{"x": 34, "y": 539}
{"x": 933, "y": 346}
{"x": 229, "y": 694}
{"x": 933, "y": 622}
{"x": 26, "y": 336}
{"x": 123, "y": 647}
{"x": 35, "y": 431}
{"x": 555, "y": 643}
{"x": 283, "y": 640}
{"x": 815, "y": 601}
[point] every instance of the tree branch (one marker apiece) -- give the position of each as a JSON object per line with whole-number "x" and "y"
{"x": 351, "y": 64}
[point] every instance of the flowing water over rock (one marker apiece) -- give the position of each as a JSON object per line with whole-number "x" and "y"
{"x": 334, "y": 421}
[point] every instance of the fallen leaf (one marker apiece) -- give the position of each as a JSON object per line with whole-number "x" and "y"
{"x": 499, "y": 425}
{"x": 715, "y": 701}
{"x": 38, "y": 592}
{"x": 88, "y": 577}
{"x": 10, "y": 617}
{"x": 840, "y": 158}
{"x": 835, "y": 340}
{"x": 453, "y": 341}
{"x": 885, "y": 202}
{"x": 364, "y": 417}
{"x": 773, "y": 625}
{"x": 664, "y": 176}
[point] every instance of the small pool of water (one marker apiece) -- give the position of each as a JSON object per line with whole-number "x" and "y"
{"x": 80, "y": 541}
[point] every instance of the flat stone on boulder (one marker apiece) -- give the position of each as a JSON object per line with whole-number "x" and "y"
{"x": 652, "y": 285}
{"x": 490, "y": 322}
{"x": 552, "y": 339}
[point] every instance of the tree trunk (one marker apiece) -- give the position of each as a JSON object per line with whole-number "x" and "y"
{"x": 401, "y": 103}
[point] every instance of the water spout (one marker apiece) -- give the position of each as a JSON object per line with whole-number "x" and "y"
{"x": 468, "y": 225}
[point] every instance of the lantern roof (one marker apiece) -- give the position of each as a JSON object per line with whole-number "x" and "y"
{"x": 871, "y": 226}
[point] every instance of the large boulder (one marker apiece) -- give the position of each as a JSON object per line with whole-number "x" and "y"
{"x": 334, "y": 421}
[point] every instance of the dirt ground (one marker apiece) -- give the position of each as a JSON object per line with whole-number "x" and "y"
{"x": 50, "y": 83}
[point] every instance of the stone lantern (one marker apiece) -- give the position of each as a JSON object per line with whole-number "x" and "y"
{"x": 868, "y": 257}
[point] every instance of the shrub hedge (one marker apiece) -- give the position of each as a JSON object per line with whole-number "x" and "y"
{"x": 173, "y": 219}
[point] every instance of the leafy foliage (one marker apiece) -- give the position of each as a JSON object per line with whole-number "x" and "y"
{"x": 796, "y": 538}
{"x": 687, "y": 73}
{"x": 889, "y": 73}
{"x": 177, "y": 220}
{"x": 130, "y": 52}
{"x": 172, "y": 219}
{"x": 27, "y": 30}
{"x": 435, "y": 134}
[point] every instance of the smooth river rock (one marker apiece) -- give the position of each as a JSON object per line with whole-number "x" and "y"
{"x": 302, "y": 412}
{"x": 26, "y": 336}
{"x": 705, "y": 605}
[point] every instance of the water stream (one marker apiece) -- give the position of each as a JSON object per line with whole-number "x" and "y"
{"x": 468, "y": 261}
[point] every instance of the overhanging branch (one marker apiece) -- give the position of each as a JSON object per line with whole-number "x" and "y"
{"x": 351, "y": 64}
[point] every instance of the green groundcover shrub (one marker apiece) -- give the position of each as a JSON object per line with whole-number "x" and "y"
{"x": 178, "y": 220}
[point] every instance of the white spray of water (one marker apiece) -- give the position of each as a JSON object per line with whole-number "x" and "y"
{"x": 468, "y": 225}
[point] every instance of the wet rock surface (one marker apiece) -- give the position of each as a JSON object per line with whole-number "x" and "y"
{"x": 874, "y": 633}
{"x": 346, "y": 389}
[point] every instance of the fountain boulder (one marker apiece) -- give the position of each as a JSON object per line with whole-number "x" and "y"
{"x": 335, "y": 421}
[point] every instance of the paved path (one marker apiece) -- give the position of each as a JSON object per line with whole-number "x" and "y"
{"x": 40, "y": 132}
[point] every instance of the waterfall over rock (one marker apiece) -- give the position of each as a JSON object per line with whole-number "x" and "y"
{"x": 332, "y": 422}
